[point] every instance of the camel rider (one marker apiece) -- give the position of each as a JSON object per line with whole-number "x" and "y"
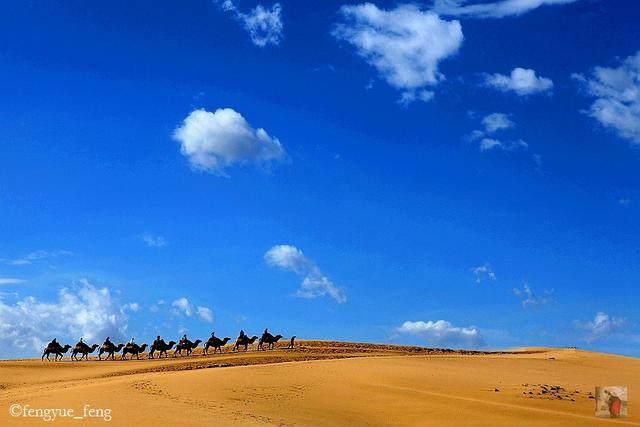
{"x": 266, "y": 332}
{"x": 184, "y": 340}
{"x": 131, "y": 341}
{"x": 242, "y": 333}
{"x": 108, "y": 342}
{"x": 157, "y": 342}
{"x": 54, "y": 342}
{"x": 213, "y": 334}
{"x": 81, "y": 342}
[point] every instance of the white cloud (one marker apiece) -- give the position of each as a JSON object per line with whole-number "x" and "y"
{"x": 153, "y": 240}
{"x": 37, "y": 255}
{"x": 84, "y": 311}
{"x": 263, "y": 24}
{"x": 496, "y": 9}
{"x": 497, "y": 121}
{"x": 10, "y": 281}
{"x": 442, "y": 332}
{"x": 205, "y": 313}
{"x": 491, "y": 124}
{"x": 521, "y": 81}
{"x": 182, "y": 306}
{"x": 214, "y": 141}
{"x": 617, "y": 93}
{"x": 404, "y": 44}
{"x": 315, "y": 283}
{"x": 528, "y": 298}
{"x": 133, "y": 306}
{"x": 602, "y": 326}
{"x": 483, "y": 271}
{"x": 487, "y": 144}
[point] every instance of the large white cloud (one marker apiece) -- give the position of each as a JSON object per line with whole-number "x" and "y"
{"x": 82, "y": 311}
{"x": 496, "y": 9}
{"x": 617, "y": 93}
{"x": 214, "y": 141}
{"x": 263, "y": 24}
{"x": 404, "y": 44}
{"x": 442, "y": 332}
{"x": 315, "y": 283}
{"x": 522, "y": 81}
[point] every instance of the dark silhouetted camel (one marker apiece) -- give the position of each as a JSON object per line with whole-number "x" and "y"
{"x": 188, "y": 346}
{"x": 56, "y": 349}
{"x": 134, "y": 349}
{"x": 161, "y": 347}
{"x": 84, "y": 350}
{"x": 110, "y": 349}
{"x": 268, "y": 339}
{"x": 245, "y": 341}
{"x": 216, "y": 343}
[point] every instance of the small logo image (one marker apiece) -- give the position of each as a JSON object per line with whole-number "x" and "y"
{"x": 611, "y": 401}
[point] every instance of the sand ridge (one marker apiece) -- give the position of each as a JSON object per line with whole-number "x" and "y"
{"x": 328, "y": 383}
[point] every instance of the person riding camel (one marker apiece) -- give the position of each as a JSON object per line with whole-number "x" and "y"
{"x": 242, "y": 333}
{"x": 81, "y": 342}
{"x": 183, "y": 340}
{"x": 213, "y": 334}
{"x": 108, "y": 342}
{"x": 266, "y": 332}
{"x": 157, "y": 342}
{"x": 54, "y": 342}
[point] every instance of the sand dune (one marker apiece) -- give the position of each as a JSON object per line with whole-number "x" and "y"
{"x": 326, "y": 383}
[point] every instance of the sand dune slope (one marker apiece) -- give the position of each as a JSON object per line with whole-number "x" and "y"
{"x": 391, "y": 386}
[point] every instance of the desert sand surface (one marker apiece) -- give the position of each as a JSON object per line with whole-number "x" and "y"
{"x": 324, "y": 384}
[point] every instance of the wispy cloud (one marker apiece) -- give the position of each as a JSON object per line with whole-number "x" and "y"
{"x": 405, "y": 45}
{"x": 315, "y": 283}
{"x": 492, "y": 124}
{"x": 182, "y": 307}
{"x": 483, "y": 271}
{"x": 214, "y": 141}
{"x": 263, "y": 24}
{"x": 442, "y": 332}
{"x": 496, "y": 9}
{"x": 37, "y": 255}
{"x": 602, "y": 326}
{"x": 528, "y": 298}
{"x": 10, "y": 281}
{"x": 154, "y": 241}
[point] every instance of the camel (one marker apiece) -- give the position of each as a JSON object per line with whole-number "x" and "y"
{"x": 189, "y": 346}
{"x": 216, "y": 343}
{"x": 134, "y": 349}
{"x": 110, "y": 349}
{"x": 269, "y": 339}
{"x": 245, "y": 341}
{"x": 56, "y": 349}
{"x": 84, "y": 350}
{"x": 162, "y": 347}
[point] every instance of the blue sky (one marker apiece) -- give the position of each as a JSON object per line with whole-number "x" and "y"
{"x": 452, "y": 174}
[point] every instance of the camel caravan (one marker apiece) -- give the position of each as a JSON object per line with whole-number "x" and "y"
{"x": 184, "y": 347}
